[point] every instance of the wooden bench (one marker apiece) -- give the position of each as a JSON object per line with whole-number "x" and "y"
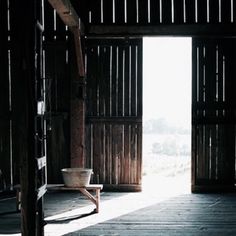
{"x": 84, "y": 190}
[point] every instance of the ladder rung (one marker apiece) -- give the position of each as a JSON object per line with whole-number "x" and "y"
{"x": 40, "y": 26}
{"x": 41, "y": 191}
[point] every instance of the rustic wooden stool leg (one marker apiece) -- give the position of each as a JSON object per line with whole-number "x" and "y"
{"x": 97, "y": 199}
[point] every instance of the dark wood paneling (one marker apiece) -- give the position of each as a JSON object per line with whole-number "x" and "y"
{"x": 108, "y": 11}
{"x": 114, "y": 111}
{"x": 213, "y": 113}
{"x": 155, "y": 11}
{"x": 132, "y": 13}
{"x": 58, "y": 107}
{"x": 60, "y": 29}
{"x": 82, "y": 8}
{"x": 202, "y": 11}
{"x": 49, "y": 19}
{"x": 226, "y": 11}
{"x": 214, "y": 11}
{"x": 143, "y": 12}
{"x": 178, "y": 11}
{"x": 120, "y": 12}
{"x": 166, "y": 11}
{"x": 94, "y": 11}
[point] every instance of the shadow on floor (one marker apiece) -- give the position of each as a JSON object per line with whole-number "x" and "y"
{"x": 9, "y": 217}
{"x": 55, "y": 203}
{"x": 184, "y": 215}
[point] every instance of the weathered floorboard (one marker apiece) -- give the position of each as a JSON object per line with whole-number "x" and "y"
{"x": 183, "y": 215}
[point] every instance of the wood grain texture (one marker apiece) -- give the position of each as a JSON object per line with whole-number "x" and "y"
{"x": 182, "y": 215}
{"x": 114, "y": 110}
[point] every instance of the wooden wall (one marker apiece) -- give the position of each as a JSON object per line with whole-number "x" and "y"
{"x": 57, "y": 81}
{"x": 114, "y": 112}
{"x": 156, "y": 12}
{"x": 213, "y": 105}
{"x": 12, "y": 92}
{"x": 58, "y": 108}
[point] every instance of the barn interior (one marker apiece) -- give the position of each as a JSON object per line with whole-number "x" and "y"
{"x": 71, "y": 96}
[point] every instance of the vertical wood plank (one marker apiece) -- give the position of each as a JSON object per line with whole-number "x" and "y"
{"x": 139, "y": 153}
{"x": 97, "y": 152}
{"x": 108, "y": 11}
{"x": 190, "y": 11}
{"x": 60, "y": 29}
{"x": 115, "y": 79}
{"x": 106, "y": 88}
{"x": 119, "y": 12}
{"x": 139, "y": 80}
{"x": 121, "y": 79}
{"x": 132, "y": 12}
{"x": 143, "y": 12}
{"x": 178, "y": 11}
{"x": 202, "y": 11}
{"x": 155, "y": 11}
{"x": 94, "y": 8}
{"x": 49, "y": 18}
{"x": 226, "y": 11}
{"x": 234, "y": 12}
{"x": 82, "y": 8}
{"x": 166, "y": 12}
{"x": 214, "y": 152}
{"x": 134, "y": 79}
{"x": 127, "y": 153}
{"x": 127, "y": 82}
{"x": 214, "y": 11}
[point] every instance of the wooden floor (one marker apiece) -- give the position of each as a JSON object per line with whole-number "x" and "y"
{"x": 151, "y": 213}
{"x": 183, "y": 215}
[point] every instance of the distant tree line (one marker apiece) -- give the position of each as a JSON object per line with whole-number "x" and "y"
{"x": 161, "y": 126}
{"x": 171, "y": 148}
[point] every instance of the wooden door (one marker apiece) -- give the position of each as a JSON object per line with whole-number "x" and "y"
{"x": 114, "y": 112}
{"x": 213, "y": 114}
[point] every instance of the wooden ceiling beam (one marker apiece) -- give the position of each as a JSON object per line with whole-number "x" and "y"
{"x": 201, "y": 30}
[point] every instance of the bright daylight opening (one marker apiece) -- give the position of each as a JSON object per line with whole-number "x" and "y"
{"x": 167, "y": 75}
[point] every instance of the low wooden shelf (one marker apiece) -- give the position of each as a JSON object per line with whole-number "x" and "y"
{"x": 84, "y": 190}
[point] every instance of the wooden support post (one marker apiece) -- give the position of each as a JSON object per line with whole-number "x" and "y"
{"x": 24, "y": 74}
{"x": 78, "y": 107}
{"x": 25, "y": 56}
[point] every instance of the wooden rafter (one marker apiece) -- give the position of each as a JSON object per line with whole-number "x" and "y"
{"x": 66, "y": 11}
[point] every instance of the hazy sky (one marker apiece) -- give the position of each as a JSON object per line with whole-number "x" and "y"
{"x": 167, "y": 79}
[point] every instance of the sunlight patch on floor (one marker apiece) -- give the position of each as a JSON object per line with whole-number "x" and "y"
{"x": 161, "y": 189}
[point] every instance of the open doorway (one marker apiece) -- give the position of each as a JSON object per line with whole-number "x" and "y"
{"x": 167, "y": 71}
